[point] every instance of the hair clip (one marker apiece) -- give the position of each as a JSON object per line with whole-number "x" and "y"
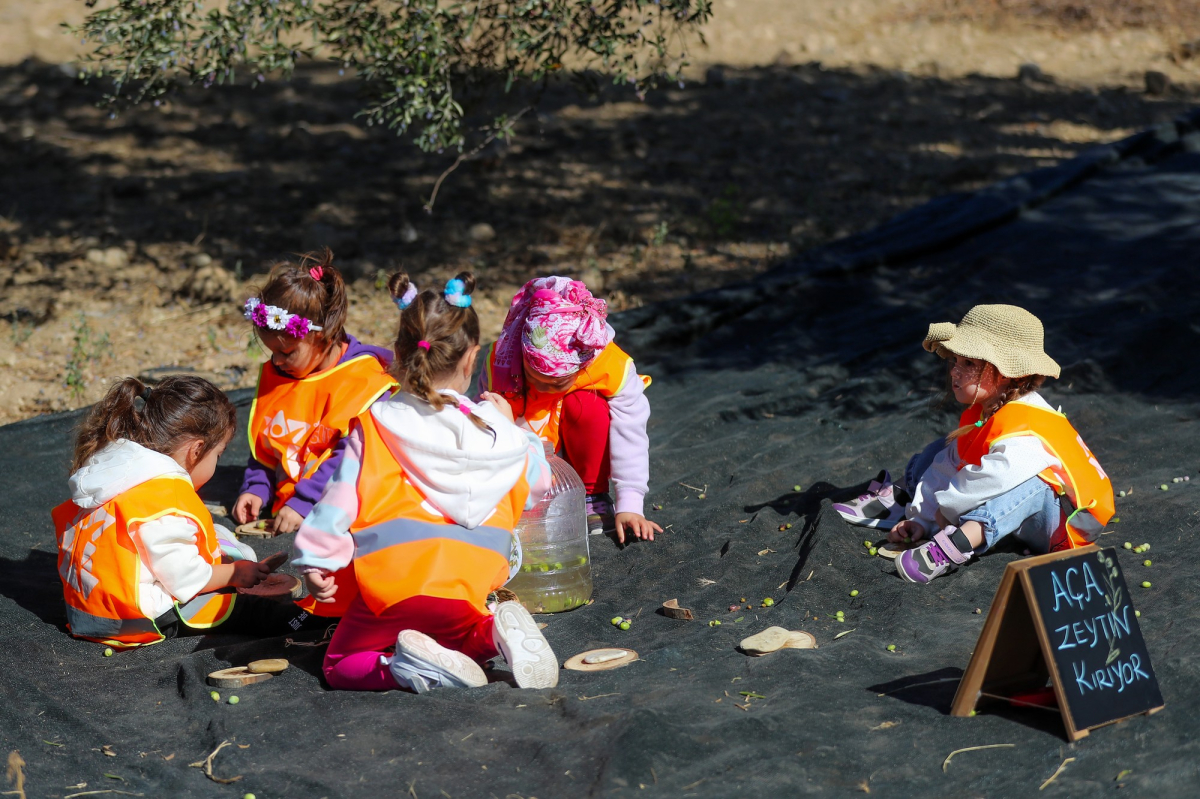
{"x": 317, "y": 272}
{"x": 454, "y": 294}
{"x": 405, "y": 300}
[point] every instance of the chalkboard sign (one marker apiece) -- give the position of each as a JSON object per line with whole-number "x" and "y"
{"x": 1066, "y": 619}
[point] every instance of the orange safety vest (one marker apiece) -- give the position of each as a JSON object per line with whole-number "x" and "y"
{"x": 1077, "y": 477}
{"x": 99, "y": 563}
{"x": 542, "y": 413}
{"x": 295, "y": 423}
{"x": 404, "y": 547}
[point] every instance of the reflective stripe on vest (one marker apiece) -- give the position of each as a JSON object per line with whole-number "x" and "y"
{"x": 407, "y": 531}
{"x": 100, "y": 565}
{"x": 542, "y": 413}
{"x": 404, "y": 547}
{"x": 1078, "y": 477}
{"x": 294, "y": 424}
{"x": 109, "y": 631}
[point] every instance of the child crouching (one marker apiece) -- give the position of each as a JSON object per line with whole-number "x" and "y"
{"x": 139, "y": 557}
{"x": 422, "y": 508}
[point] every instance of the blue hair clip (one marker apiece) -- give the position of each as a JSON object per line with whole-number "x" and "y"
{"x": 454, "y": 294}
{"x": 410, "y": 294}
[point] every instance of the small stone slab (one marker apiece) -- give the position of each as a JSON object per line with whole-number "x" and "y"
{"x": 259, "y": 529}
{"x": 275, "y": 586}
{"x": 236, "y": 677}
{"x": 267, "y": 666}
{"x": 601, "y": 659}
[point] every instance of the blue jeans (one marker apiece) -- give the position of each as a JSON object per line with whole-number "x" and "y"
{"x": 1031, "y": 512}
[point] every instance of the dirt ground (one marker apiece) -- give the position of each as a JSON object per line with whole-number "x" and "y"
{"x": 126, "y": 244}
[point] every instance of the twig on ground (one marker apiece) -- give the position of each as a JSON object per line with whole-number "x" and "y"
{"x": 946, "y": 762}
{"x": 919, "y": 684}
{"x": 1057, "y": 771}
{"x": 1020, "y": 702}
{"x": 16, "y": 774}
{"x": 105, "y": 790}
{"x": 206, "y": 764}
{"x": 325, "y": 638}
{"x": 597, "y": 696}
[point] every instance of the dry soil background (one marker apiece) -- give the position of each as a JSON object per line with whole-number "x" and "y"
{"x": 126, "y": 243}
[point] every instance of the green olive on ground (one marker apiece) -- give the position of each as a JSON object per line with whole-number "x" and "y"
{"x": 625, "y": 625}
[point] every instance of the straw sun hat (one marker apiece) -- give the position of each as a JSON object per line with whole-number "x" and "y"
{"x": 1008, "y": 337}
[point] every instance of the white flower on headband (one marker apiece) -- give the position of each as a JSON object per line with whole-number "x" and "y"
{"x": 277, "y": 318}
{"x": 274, "y": 318}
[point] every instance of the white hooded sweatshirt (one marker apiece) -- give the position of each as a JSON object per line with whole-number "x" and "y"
{"x": 463, "y": 472}
{"x": 172, "y": 567}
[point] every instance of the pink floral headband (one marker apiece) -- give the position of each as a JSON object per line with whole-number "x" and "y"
{"x": 271, "y": 317}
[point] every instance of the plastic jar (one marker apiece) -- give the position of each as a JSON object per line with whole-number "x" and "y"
{"x": 556, "y": 569}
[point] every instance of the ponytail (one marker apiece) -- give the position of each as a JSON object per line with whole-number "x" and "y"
{"x": 436, "y": 331}
{"x": 177, "y": 410}
{"x": 313, "y": 288}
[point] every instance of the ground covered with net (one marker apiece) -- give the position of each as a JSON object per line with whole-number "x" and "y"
{"x": 770, "y": 399}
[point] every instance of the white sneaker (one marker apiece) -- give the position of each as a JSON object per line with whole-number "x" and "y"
{"x": 421, "y": 663}
{"x": 527, "y": 651}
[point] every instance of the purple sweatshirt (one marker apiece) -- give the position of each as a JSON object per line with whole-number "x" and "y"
{"x": 260, "y": 480}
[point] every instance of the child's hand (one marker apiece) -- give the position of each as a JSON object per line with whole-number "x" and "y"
{"x": 287, "y": 521}
{"x": 499, "y": 403}
{"x": 906, "y": 531}
{"x": 321, "y": 586}
{"x": 249, "y": 573}
{"x": 638, "y": 526}
{"x": 246, "y": 509}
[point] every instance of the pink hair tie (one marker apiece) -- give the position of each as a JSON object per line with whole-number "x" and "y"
{"x": 317, "y": 272}
{"x": 423, "y": 345}
{"x": 466, "y": 409}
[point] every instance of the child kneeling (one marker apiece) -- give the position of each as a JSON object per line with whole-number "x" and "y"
{"x": 1014, "y": 467}
{"x": 423, "y": 507}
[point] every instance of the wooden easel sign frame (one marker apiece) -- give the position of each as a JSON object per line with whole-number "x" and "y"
{"x": 1066, "y": 618}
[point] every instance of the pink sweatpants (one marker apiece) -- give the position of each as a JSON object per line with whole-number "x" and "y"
{"x": 352, "y": 660}
{"x": 583, "y": 432}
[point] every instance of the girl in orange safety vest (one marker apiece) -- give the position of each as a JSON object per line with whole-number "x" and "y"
{"x": 139, "y": 557}
{"x": 1015, "y": 466}
{"x": 556, "y": 364}
{"x": 319, "y": 377}
{"x": 423, "y": 505}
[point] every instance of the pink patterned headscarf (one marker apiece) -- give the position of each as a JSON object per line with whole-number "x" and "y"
{"x": 555, "y": 325}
